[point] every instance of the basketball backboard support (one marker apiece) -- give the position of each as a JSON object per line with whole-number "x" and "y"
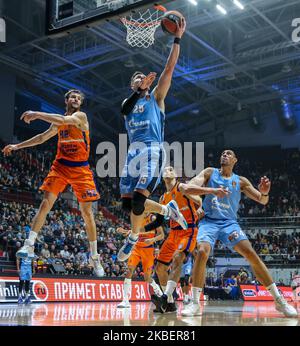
{"x": 73, "y": 15}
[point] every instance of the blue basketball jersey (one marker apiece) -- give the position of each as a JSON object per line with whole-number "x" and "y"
{"x": 26, "y": 264}
{"x": 146, "y": 121}
{"x": 223, "y": 208}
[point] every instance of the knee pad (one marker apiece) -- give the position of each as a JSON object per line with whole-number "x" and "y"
{"x": 138, "y": 203}
{"x": 126, "y": 204}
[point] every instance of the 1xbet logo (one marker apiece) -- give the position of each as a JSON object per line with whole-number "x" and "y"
{"x": 296, "y": 32}
{"x": 2, "y": 30}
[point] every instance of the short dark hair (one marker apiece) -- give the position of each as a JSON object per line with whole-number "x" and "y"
{"x": 134, "y": 75}
{"x": 74, "y": 91}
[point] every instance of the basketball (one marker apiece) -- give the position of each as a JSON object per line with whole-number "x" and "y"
{"x": 170, "y": 20}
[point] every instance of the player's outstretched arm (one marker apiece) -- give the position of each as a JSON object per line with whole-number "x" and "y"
{"x": 164, "y": 82}
{"x": 36, "y": 140}
{"x": 160, "y": 236}
{"x": 195, "y": 186}
{"x": 78, "y": 119}
{"x": 261, "y": 195}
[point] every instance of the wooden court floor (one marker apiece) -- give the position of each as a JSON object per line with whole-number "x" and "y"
{"x": 215, "y": 313}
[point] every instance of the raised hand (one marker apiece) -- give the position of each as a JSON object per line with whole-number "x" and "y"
{"x": 180, "y": 28}
{"x": 29, "y": 116}
{"x": 147, "y": 81}
{"x": 264, "y": 185}
{"x": 8, "y": 149}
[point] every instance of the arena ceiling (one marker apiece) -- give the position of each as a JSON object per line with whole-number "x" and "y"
{"x": 230, "y": 65}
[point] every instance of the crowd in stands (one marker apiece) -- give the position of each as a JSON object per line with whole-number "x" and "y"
{"x": 63, "y": 238}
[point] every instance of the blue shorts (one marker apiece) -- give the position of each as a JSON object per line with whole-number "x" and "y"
{"x": 227, "y": 231}
{"x": 25, "y": 275}
{"x": 142, "y": 170}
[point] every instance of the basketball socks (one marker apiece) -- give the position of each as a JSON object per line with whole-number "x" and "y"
{"x": 133, "y": 237}
{"x": 156, "y": 288}
{"x": 171, "y": 285}
{"x": 196, "y": 292}
{"x": 126, "y": 289}
{"x": 32, "y": 238}
{"x": 274, "y": 291}
{"x": 93, "y": 248}
{"x": 165, "y": 211}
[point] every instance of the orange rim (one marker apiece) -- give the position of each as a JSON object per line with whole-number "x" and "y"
{"x": 160, "y": 8}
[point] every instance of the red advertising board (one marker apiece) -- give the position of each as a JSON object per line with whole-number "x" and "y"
{"x": 75, "y": 290}
{"x": 260, "y": 293}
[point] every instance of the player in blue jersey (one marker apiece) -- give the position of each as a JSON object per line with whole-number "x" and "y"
{"x": 25, "y": 269}
{"x": 144, "y": 114}
{"x": 220, "y": 223}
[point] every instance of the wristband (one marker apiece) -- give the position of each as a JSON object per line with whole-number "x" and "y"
{"x": 177, "y": 40}
{"x": 267, "y": 195}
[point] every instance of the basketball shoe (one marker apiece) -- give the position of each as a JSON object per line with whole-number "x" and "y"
{"x": 95, "y": 262}
{"x": 27, "y": 250}
{"x": 287, "y": 309}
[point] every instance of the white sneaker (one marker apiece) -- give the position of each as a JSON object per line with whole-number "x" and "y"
{"x": 176, "y": 215}
{"x": 95, "y": 262}
{"x": 287, "y": 309}
{"x": 191, "y": 310}
{"x": 26, "y": 251}
{"x": 126, "y": 250}
{"x": 124, "y": 304}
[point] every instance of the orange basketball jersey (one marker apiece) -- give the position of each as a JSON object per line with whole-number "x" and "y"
{"x": 73, "y": 144}
{"x": 185, "y": 205}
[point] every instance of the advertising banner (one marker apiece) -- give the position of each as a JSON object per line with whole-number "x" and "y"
{"x": 260, "y": 293}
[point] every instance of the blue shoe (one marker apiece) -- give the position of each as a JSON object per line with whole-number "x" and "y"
{"x": 20, "y": 300}
{"x": 27, "y": 300}
{"x": 176, "y": 215}
{"x": 126, "y": 249}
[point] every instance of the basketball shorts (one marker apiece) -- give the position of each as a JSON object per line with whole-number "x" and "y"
{"x": 144, "y": 255}
{"x": 227, "y": 231}
{"x": 177, "y": 241}
{"x": 25, "y": 274}
{"x": 80, "y": 178}
{"x": 143, "y": 169}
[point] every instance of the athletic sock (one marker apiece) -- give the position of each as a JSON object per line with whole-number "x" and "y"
{"x": 133, "y": 237}
{"x": 156, "y": 288}
{"x": 171, "y": 285}
{"x": 127, "y": 289}
{"x": 196, "y": 292}
{"x": 32, "y": 237}
{"x": 274, "y": 291}
{"x": 93, "y": 248}
{"x": 165, "y": 211}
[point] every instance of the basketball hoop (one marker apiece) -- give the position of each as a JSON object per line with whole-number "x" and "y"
{"x": 141, "y": 30}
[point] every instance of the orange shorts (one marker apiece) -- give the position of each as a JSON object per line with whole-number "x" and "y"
{"x": 177, "y": 241}
{"x": 144, "y": 255}
{"x": 80, "y": 178}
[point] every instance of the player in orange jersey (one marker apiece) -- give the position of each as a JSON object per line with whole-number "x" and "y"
{"x": 143, "y": 252}
{"x": 70, "y": 167}
{"x": 179, "y": 242}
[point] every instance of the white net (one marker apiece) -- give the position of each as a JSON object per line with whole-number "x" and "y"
{"x": 141, "y": 30}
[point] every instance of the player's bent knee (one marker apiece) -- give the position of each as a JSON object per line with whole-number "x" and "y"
{"x": 203, "y": 253}
{"x": 138, "y": 203}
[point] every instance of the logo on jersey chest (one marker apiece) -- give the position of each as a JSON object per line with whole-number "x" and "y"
{"x": 64, "y": 133}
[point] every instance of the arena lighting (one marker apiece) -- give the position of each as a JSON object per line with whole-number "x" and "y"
{"x": 238, "y": 4}
{"x": 221, "y": 9}
{"x": 194, "y": 2}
